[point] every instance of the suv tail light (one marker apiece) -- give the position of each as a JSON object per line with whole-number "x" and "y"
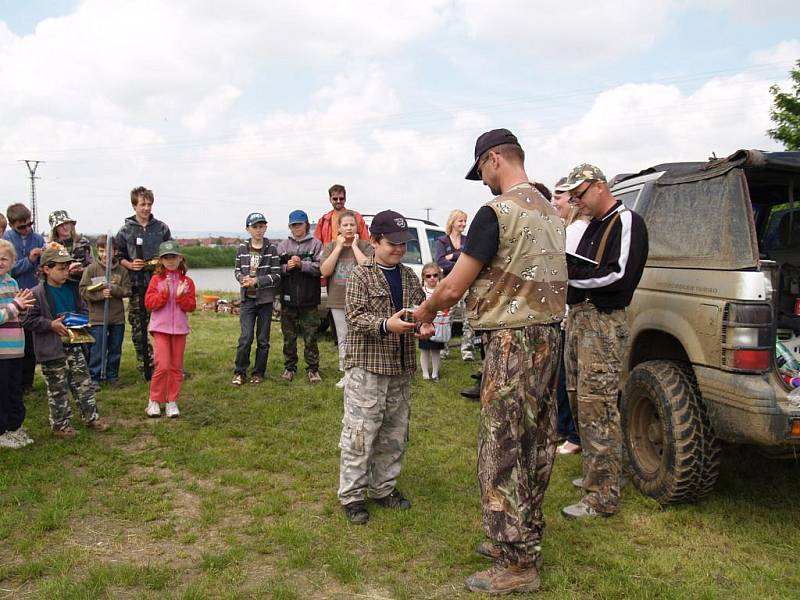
{"x": 747, "y": 339}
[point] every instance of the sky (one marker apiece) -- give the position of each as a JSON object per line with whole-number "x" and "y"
{"x": 227, "y": 108}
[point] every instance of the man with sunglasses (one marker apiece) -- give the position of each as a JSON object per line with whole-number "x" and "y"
{"x": 28, "y": 245}
{"x": 514, "y": 266}
{"x": 597, "y": 330}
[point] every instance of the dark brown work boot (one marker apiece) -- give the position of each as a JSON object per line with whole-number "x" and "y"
{"x": 504, "y": 578}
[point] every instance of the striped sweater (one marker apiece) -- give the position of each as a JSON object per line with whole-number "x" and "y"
{"x": 12, "y": 338}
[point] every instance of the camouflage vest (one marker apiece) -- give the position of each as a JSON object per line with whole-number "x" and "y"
{"x": 526, "y": 281}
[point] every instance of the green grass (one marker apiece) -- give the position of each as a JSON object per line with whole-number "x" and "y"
{"x": 198, "y": 257}
{"x": 237, "y": 499}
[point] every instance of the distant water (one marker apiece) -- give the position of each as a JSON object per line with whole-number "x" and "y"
{"x": 215, "y": 278}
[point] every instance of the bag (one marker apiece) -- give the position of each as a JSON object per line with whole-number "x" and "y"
{"x": 443, "y": 328}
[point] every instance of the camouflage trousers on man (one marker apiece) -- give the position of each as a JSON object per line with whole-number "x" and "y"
{"x": 516, "y": 436}
{"x": 139, "y": 319}
{"x": 593, "y": 359}
{"x": 374, "y": 434}
{"x": 65, "y": 375}
{"x": 295, "y": 322}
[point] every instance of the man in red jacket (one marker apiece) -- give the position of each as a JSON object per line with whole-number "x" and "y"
{"x": 328, "y": 224}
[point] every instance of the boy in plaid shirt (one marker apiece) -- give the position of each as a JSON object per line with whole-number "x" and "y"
{"x": 379, "y": 362}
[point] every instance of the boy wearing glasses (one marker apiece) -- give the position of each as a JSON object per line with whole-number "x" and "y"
{"x": 28, "y": 245}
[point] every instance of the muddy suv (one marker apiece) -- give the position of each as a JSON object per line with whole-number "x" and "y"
{"x": 720, "y": 285}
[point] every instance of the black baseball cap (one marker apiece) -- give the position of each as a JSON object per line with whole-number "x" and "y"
{"x": 391, "y": 225}
{"x": 487, "y": 141}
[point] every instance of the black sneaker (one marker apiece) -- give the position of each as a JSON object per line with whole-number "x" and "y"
{"x": 394, "y": 500}
{"x": 472, "y": 392}
{"x": 356, "y": 512}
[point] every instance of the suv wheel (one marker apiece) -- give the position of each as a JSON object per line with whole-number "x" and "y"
{"x": 672, "y": 450}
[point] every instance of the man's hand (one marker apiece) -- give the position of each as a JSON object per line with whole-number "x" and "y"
{"x": 424, "y": 314}
{"x": 24, "y": 299}
{"x": 396, "y": 324}
{"x": 58, "y": 327}
{"x": 75, "y": 267}
{"x": 426, "y": 330}
{"x": 137, "y": 264}
{"x": 34, "y": 254}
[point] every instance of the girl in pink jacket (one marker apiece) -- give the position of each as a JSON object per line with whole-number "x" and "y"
{"x": 170, "y": 295}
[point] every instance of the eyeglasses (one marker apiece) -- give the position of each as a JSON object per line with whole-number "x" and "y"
{"x": 27, "y": 225}
{"x": 337, "y": 198}
{"x": 431, "y": 276}
{"x": 483, "y": 160}
{"x": 575, "y": 198}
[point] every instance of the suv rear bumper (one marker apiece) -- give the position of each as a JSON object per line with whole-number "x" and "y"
{"x": 747, "y": 409}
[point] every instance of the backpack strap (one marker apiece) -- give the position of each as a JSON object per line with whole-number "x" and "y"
{"x": 601, "y": 249}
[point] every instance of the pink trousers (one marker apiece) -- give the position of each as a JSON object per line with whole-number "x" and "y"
{"x": 168, "y": 376}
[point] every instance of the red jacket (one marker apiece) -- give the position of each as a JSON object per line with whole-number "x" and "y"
{"x": 168, "y": 311}
{"x": 324, "y": 230}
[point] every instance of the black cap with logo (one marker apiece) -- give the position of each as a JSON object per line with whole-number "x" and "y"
{"x": 487, "y": 141}
{"x": 391, "y": 225}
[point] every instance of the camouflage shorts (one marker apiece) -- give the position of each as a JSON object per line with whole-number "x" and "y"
{"x": 516, "y": 438}
{"x": 593, "y": 358}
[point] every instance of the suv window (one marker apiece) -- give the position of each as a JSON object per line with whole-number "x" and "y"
{"x": 432, "y": 234}
{"x": 628, "y": 197}
{"x": 413, "y": 253}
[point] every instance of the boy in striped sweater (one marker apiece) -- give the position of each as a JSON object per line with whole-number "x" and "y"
{"x": 12, "y": 350}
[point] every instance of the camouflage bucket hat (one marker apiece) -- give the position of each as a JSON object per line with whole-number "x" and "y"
{"x": 169, "y": 247}
{"x": 55, "y": 253}
{"x": 59, "y": 217}
{"x": 579, "y": 174}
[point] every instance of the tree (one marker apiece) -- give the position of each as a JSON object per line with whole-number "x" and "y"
{"x": 785, "y": 113}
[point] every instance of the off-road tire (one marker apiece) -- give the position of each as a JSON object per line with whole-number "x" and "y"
{"x": 672, "y": 451}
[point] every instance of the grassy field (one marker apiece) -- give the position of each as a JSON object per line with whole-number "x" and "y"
{"x": 237, "y": 499}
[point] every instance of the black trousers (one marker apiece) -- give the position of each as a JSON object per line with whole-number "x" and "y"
{"x": 12, "y": 409}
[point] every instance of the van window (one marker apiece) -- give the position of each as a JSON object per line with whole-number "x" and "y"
{"x": 432, "y": 234}
{"x": 413, "y": 254}
{"x": 628, "y": 197}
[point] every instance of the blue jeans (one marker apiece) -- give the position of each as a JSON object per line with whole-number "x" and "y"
{"x": 258, "y": 317}
{"x": 566, "y": 424}
{"x": 116, "y": 333}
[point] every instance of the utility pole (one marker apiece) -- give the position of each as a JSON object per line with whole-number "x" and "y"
{"x": 32, "y": 165}
{"x": 427, "y": 210}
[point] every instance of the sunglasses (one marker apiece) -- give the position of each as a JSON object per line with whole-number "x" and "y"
{"x": 575, "y": 198}
{"x": 480, "y": 164}
{"x": 431, "y": 276}
{"x": 27, "y": 225}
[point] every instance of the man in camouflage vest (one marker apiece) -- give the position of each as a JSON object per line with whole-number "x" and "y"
{"x": 597, "y": 331}
{"x": 514, "y": 268}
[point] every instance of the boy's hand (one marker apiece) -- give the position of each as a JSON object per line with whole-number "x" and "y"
{"x": 34, "y": 254}
{"x": 58, "y": 327}
{"x": 24, "y": 299}
{"x": 75, "y": 267}
{"x": 248, "y": 281}
{"x": 293, "y": 262}
{"x": 426, "y": 330}
{"x": 106, "y": 292}
{"x": 396, "y": 324}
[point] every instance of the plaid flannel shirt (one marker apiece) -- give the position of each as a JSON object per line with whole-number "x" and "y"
{"x": 367, "y": 303}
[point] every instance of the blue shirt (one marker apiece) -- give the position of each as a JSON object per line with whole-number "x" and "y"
{"x": 395, "y": 282}
{"x": 63, "y": 299}
{"x": 24, "y": 271}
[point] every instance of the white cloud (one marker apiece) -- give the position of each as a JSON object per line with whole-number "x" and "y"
{"x": 570, "y": 30}
{"x": 787, "y": 53}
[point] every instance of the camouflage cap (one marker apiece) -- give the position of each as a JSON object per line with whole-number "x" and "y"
{"x": 581, "y": 173}
{"x": 169, "y": 247}
{"x": 55, "y": 253}
{"x": 59, "y": 217}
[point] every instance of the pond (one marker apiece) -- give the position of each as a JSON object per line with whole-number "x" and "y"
{"x": 215, "y": 278}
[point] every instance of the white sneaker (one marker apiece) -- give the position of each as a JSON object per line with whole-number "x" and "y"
{"x": 467, "y": 356}
{"x": 153, "y": 409}
{"x": 22, "y": 436}
{"x": 172, "y": 410}
{"x": 340, "y": 384}
{"x": 8, "y": 440}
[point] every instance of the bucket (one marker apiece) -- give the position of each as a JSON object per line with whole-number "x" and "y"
{"x": 209, "y": 299}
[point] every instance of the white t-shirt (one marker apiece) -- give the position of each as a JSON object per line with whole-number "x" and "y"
{"x": 574, "y": 234}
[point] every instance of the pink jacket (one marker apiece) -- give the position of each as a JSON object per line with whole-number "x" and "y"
{"x": 168, "y": 313}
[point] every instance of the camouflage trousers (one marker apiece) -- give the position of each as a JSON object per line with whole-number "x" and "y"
{"x": 593, "y": 359}
{"x": 516, "y": 436}
{"x": 65, "y": 375}
{"x": 139, "y": 319}
{"x": 297, "y": 321}
{"x": 374, "y": 433}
